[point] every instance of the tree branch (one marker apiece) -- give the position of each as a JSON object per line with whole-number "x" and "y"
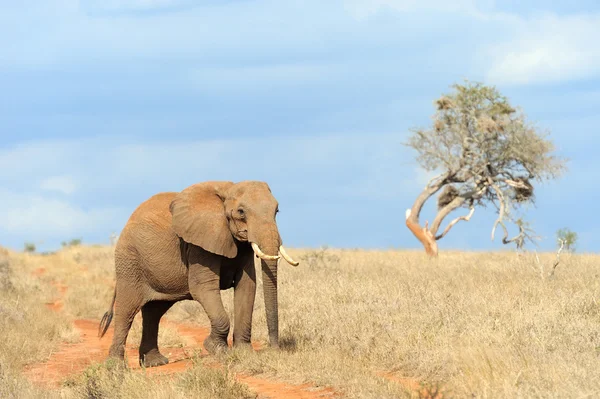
{"x": 562, "y": 245}
{"x": 518, "y": 237}
{"x": 445, "y": 211}
{"x": 452, "y": 223}
{"x": 523, "y": 234}
{"x": 454, "y": 204}
{"x": 441, "y": 178}
{"x": 500, "y": 212}
{"x": 429, "y": 190}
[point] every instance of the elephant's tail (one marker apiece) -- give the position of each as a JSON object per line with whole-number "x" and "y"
{"x": 107, "y": 318}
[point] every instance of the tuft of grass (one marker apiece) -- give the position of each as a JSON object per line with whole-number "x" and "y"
{"x": 112, "y": 380}
{"x": 209, "y": 382}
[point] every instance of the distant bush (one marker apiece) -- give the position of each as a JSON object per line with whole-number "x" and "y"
{"x": 568, "y": 237}
{"x": 73, "y": 243}
{"x": 29, "y": 247}
{"x": 319, "y": 257}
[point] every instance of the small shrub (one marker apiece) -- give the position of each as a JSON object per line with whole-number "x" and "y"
{"x": 568, "y": 237}
{"x": 73, "y": 243}
{"x": 101, "y": 380}
{"x": 206, "y": 382}
{"x": 29, "y": 247}
{"x": 319, "y": 257}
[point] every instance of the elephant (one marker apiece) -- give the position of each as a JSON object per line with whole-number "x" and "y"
{"x": 190, "y": 245}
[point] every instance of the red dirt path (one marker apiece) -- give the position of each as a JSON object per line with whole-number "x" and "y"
{"x": 71, "y": 359}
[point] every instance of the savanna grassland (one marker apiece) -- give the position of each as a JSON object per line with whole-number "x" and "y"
{"x": 367, "y": 324}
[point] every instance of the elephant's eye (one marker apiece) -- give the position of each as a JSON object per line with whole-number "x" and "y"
{"x": 241, "y": 213}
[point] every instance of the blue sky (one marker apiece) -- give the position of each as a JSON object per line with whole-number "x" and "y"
{"x": 105, "y": 103}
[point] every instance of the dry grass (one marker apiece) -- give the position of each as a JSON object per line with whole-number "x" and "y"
{"x": 29, "y": 331}
{"x": 111, "y": 380}
{"x": 482, "y": 324}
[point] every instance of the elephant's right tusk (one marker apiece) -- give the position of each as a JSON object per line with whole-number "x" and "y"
{"x": 261, "y": 254}
{"x": 288, "y": 258}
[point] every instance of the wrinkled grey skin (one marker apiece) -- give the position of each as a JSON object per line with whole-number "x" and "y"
{"x": 191, "y": 245}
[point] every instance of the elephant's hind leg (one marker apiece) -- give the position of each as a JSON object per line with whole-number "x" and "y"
{"x": 125, "y": 310}
{"x": 151, "y": 314}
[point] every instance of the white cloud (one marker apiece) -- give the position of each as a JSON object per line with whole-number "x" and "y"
{"x": 70, "y": 34}
{"x": 61, "y": 184}
{"x": 547, "y": 50}
{"x": 515, "y": 49}
{"x": 114, "y": 175}
{"x": 113, "y": 165}
{"x": 37, "y": 215}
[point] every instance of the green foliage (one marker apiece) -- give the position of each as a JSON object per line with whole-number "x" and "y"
{"x": 29, "y": 247}
{"x": 73, "y": 243}
{"x": 477, "y": 133}
{"x": 568, "y": 237}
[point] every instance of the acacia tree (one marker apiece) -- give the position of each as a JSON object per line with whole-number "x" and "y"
{"x": 485, "y": 152}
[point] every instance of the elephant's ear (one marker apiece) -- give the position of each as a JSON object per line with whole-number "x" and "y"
{"x": 199, "y": 218}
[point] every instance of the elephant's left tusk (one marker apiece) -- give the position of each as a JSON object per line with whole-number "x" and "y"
{"x": 288, "y": 258}
{"x": 261, "y": 254}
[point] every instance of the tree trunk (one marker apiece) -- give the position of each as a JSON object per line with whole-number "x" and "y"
{"x": 412, "y": 217}
{"x": 424, "y": 236}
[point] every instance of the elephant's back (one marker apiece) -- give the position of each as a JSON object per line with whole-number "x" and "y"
{"x": 154, "y": 210}
{"x": 149, "y": 226}
{"x": 153, "y": 245}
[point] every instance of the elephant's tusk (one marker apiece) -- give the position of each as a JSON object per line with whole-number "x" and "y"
{"x": 288, "y": 258}
{"x": 261, "y": 254}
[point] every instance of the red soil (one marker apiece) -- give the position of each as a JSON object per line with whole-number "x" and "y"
{"x": 71, "y": 359}
{"x": 413, "y": 385}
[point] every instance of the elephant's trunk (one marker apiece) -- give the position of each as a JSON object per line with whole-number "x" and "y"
{"x": 269, "y": 278}
{"x": 265, "y": 242}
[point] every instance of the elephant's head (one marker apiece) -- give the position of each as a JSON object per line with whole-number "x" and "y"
{"x": 218, "y": 215}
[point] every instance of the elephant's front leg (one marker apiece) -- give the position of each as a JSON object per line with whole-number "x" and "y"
{"x": 204, "y": 287}
{"x": 244, "y": 294}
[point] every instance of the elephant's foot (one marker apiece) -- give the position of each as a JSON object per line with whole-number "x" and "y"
{"x": 153, "y": 359}
{"x": 215, "y": 345}
{"x": 116, "y": 356}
